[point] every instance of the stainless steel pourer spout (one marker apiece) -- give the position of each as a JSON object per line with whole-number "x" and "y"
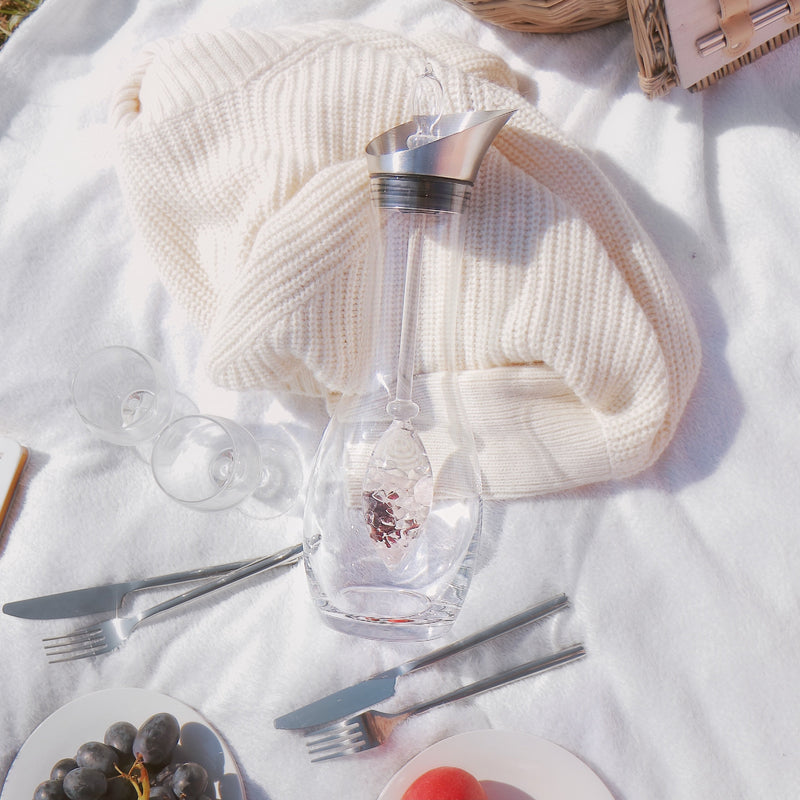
{"x": 455, "y": 155}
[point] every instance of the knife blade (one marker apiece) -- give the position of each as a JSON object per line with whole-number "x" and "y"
{"x": 382, "y": 685}
{"x": 104, "y": 599}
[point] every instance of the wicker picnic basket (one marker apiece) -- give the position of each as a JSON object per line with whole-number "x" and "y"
{"x": 547, "y": 16}
{"x": 658, "y": 51}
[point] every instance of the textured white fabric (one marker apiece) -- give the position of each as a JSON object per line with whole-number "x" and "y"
{"x": 242, "y": 154}
{"x": 684, "y": 581}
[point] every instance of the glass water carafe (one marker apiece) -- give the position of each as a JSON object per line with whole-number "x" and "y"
{"x": 393, "y": 512}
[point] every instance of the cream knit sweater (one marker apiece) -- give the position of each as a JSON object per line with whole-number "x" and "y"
{"x": 242, "y": 156}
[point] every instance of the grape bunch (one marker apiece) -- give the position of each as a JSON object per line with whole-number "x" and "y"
{"x": 129, "y": 764}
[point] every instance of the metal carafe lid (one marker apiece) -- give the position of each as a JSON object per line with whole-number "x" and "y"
{"x": 455, "y": 155}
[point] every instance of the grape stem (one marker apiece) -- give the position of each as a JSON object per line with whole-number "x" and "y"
{"x": 138, "y": 778}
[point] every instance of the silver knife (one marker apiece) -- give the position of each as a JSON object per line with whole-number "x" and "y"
{"x": 104, "y": 599}
{"x": 382, "y": 686}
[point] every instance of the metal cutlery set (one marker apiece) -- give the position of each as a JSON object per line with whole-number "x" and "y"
{"x": 109, "y": 597}
{"x": 335, "y": 725}
{"x": 108, "y": 635}
{"x": 372, "y": 728}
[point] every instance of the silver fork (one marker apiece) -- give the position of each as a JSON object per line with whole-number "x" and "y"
{"x": 107, "y": 635}
{"x": 372, "y": 728}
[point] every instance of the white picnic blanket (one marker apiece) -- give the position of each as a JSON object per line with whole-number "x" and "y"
{"x": 683, "y": 580}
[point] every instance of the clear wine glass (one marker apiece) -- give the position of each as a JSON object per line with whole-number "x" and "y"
{"x": 123, "y": 396}
{"x": 212, "y": 463}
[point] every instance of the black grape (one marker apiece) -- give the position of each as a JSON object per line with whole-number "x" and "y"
{"x": 164, "y": 776}
{"x": 156, "y": 739}
{"x": 93, "y": 775}
{"x": 84, "y": 784}
{"x": 99, "y": 756}
{"x": 50, "y": 790}
{"x": 62, "y": 767}
{"x": 189, "y": 780}
{"x": 120, "y": 736}
{"x": 119, "y": 789}
{"x": 162, "y": 793}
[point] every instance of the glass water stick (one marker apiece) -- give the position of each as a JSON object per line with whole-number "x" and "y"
{"x": 398, "y": 483}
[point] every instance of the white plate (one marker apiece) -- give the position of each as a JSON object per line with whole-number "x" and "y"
{"x": 510, "y": 766}
{"x": 86, "y": 719}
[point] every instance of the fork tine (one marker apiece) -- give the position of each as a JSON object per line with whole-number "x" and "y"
{"x": 337, "y": 749}
{"x": 346, "y": 751}
{"x": 81, "y": 643}
{"x": 74, "y": 656}
{"x": 78, "y": 643}
{"x": 78, "y": 632}
{"x": 343, "y": 738}
{"x": 75, "y": 644}
{"x": 331, "y": 732}
{"x": 91, "y": 647}
{"x": 77, "y": 638}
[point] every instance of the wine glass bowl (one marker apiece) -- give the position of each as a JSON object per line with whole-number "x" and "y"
{"x": 206, "y": 462}
{"x": 211, "y": 463}
{"x": 123, "y": 396}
